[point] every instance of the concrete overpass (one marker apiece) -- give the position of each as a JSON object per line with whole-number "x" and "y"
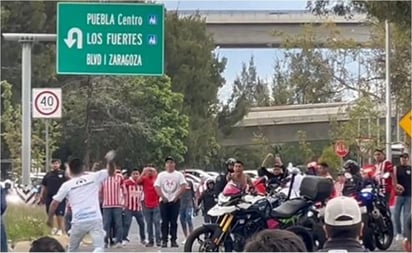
{"x": 262, "y": 29}
{"x": 280, "y": 124}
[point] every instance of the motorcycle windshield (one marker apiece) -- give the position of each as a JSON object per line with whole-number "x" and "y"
{"x": 231, "y": 190}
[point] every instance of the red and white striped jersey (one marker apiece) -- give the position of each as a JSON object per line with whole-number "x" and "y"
{"x": 112, "y": 191}
{"x": 133, "y": 195}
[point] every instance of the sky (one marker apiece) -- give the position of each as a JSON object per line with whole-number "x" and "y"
{"x": 264, "y": 58}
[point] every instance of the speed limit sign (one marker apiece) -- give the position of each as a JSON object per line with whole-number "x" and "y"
{"x": 47, "y": 103}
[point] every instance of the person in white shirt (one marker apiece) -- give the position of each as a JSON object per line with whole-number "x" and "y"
{"x": 82, "y": 192}
{"x": 170, "y": 186}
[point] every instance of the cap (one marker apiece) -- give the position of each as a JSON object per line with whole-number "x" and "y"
{"x": 342, "y": 211}
{"x": 169, "y": 158}
{"x": 404, "y": 155}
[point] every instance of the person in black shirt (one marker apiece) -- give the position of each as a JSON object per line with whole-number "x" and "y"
{"x": 276, "y": 176}
{"x": 403, "y": 200}
{"x": 353, "y": 179}
{"x": 50, "y": 186}
{"x": 208, "y": 200}
{"x": 223, "y": 178}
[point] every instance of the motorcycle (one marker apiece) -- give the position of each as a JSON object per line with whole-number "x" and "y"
{"x": 378, "y": 227}
{"x": 241, "y": 216}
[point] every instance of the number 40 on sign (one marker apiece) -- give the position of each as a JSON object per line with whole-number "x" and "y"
{"x": 47, "y": 103}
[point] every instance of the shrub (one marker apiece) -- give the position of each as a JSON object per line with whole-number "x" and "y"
{"x": 25, "y": 222}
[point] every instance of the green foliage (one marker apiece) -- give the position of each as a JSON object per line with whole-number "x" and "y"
{"x": 196, "y": 73}
{"x": 248, "y": 90}
{"x": 363, "y": 123}
{"x": 28, "y": 17}
{"x": 329, "y": 156}
{"x": 11, "y": 132}
{"x": 305, "y": 149}
{"x": 308, "y": 74}
{"x": 398, "y": 12}
{"x": 141, "y": 117}
{"x": 25, "y": 223}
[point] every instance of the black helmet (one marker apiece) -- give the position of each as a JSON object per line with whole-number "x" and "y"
{"x": 230, "y": 161}
{"x": 351, "y": 166}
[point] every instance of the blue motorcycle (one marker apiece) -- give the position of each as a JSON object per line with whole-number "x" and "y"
{"x": 378, "y": 227}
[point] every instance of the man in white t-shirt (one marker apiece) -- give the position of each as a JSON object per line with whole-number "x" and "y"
{"x": 82, "y": 192}
{"x": 170, "y": 185}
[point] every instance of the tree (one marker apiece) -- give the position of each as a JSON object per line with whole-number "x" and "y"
{"x": 305, "y": 147}
{"x": 363, "y": 130}
{"x": 398, "y": 12}
{"x": 248, "y": 91}
{"x": 28, "y": 17}
{"x": 311, "y": 74}
{"x": 11, "y": 133}
{"x": 140, "y": 117}
{"x": 196, "y": 73}
{"x": 194, "y": 70}
{"x": 329, "y": 156}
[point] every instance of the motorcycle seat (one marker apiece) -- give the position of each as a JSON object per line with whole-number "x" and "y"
{"x": 289, "y": 208}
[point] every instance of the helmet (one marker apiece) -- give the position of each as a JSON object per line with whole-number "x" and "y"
{"x": 351, "y": 166}
{"x": 230, "y": 161}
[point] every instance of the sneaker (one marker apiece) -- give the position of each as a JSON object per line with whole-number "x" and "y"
{"x": 149, "y": 245}
{"x": 69, "y": 232}
{"x": 59, "y": 233}
{"x": 398, "y": 237}
{"x": 164, "y": 245}
{"x": 158, "y": 244}
{"x": 118, "y": 245}
{"x": 143, "y": 242}
{"x": 184, "y": 242}
{"x": 174, "y": 244}
{"x": 124, "y": 243}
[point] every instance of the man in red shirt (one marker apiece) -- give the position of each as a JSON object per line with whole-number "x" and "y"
{"x": 112, "y": 193}
{"x": 151, "y": 209}
{"x": 383, "y": 166}
{"x": 133, "y": 206}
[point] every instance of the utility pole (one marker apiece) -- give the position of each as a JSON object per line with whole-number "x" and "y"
{"x": 388, "y": 101}
{"x": 27, "y": 40}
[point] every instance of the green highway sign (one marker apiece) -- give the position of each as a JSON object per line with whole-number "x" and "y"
{"x": 110, "y": 39}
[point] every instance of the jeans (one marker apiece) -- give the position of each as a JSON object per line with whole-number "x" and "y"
{"x": 403, "y": 203}
{"x": 169, "y": 212}
{"x": 81, "y": 229}
{"x": 152, "y": 217}
{"x": 3, "y": 237}
{"x": 128, "y": 217}
{"x": 113, "y": 214}
{"x": 186, "y": 219}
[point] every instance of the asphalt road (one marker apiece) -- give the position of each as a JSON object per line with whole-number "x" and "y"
{"x": 135, "y": 246}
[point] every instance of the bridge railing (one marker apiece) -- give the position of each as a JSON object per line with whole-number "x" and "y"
{"x": 229, "y": 16}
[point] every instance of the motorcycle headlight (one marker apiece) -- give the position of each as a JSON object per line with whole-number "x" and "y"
{"x": 366, "y": 196}
{"x": 222, "y": 199}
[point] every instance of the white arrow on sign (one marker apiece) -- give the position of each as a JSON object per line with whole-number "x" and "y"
{"x": 70, "y": 40}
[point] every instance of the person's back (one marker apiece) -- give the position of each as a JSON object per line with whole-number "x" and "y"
{"x": 343, "y": 225}
{"x": 82, "y": 192}
{"x": 84, "y": 196}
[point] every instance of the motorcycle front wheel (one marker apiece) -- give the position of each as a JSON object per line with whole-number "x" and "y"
{"x": 201, "y": 238}
{"x": 385, "y": 235}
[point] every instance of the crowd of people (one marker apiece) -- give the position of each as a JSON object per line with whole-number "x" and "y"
{"x": 103, "y": 201}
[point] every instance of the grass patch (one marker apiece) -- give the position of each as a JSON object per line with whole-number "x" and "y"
{"x": 25, "y": 222}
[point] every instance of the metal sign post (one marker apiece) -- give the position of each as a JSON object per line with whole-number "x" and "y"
{"x": 27, "y": 40}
